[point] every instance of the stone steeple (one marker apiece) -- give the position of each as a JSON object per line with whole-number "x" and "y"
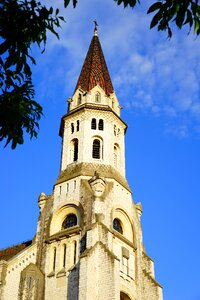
{"x": 94, "y": 71}
{"x": 88, "y": 244}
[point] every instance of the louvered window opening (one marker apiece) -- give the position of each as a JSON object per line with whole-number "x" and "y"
{"x": 75, "y": 158}
{"x": 94, "y": 124}
{"x": 72, "y": 127}
{"x": 96, "y": 149}
{"x": 100, "y": 124}
{"x": 77, "y": 125}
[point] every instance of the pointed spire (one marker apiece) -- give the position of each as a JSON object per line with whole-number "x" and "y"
{"x": 94, "y": 71}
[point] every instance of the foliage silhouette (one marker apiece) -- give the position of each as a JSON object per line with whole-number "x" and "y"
{"x": 26, "y": 22}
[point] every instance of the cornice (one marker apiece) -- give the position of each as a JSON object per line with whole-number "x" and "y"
{"x": 89, "y": 106}
{"x": 87, "y": 169}
{"x": 63, "y": 234}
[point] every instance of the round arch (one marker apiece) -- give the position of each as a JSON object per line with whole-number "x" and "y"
{"x": 116, "y": 155}
{"x": 97, "y": 147}
{"x": 61, "y": 214}
{"x": 73, "y": 148}
{"x": 126, "y": 223}
{"x": 124, "y": 296}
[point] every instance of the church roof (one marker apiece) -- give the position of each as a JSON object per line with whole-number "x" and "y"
{"x": 8, "y": 253}
{"x": 94, "y": 71}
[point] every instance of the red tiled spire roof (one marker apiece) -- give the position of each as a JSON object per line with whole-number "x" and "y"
{"x": 94, "y": 71}
{"x": 6, "y": 254}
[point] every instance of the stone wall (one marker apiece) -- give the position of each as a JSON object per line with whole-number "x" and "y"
{"x": 14, "y": 268}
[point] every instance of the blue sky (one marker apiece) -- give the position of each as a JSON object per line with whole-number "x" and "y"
{"x": 157, "y": 82}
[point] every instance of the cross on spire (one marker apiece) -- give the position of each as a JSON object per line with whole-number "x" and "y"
{"x": 95, "y": 27}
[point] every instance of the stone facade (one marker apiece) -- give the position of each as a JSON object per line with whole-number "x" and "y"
{"x": 88, "y": 244}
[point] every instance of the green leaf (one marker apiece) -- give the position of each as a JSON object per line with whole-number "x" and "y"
{"x": 4, "y": 47}
{"x": 196, "y": 25}
{"x": 119, "y": 1}
{"x": 154, "y": 7}
{"x": 169, "y": 32}
{"x": 131, "y": 3}
{"x": 156, "y": 19}
{"x": 189, "y": 18}
{"x": 74, "y": 3}
{"x": 66, "y": 3}
{"x": 61, "y": 18}
{"x": 27, "y": 69}
{"x": 180, "y": 17}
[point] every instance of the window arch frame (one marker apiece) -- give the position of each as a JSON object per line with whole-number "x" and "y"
{"x": 124, "y": 296}
{"x": 128, "y": 224}
{"x": 60, "y": 215}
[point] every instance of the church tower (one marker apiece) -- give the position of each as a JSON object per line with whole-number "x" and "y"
{"x": 88, "y": 244}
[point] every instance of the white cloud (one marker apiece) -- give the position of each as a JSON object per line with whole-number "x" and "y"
{"x": 149, "y": 72}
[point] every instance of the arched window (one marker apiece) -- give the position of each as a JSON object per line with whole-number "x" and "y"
{"x": 64, "y": 255}
{"x": 70, "y": 221}
{"x": 74, "y": 150}
{"x": 96, "y": 149}
{"x": 77, "y": 125}
{"x": 73, "y": 253}
{"x": 75, "y": 247}
{"x": 94, "y": 124}
{"x": 72, "y": 127}
{"x": 117, "y": 225}
{"x": 115, "y": 130}
{"x": 98, "y": 97}
{"x": 54, "y": 259}
{"x": 100, "y": 124}
{"x": 116, "y": 156}
{"x": 124, "y": 296}
{"x": 79, "y": 99}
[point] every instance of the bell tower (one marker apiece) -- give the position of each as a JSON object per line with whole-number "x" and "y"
{"x": 88, "y": 244}
{"x": 93, "y": 115}
{"x": 94, "y": 246}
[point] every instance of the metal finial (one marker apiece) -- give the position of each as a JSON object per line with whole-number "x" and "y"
{"x": 95, "y": 27}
